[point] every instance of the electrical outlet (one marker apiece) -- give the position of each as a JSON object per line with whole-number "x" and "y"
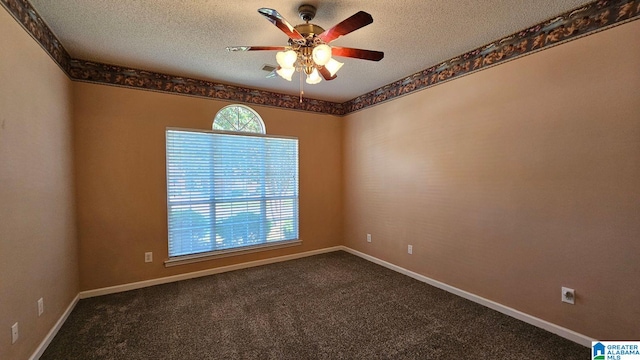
{"x": 40, "y": 306}
{"x": 14, "y": 333}
{"x": 368, "y": 237}
{"x": 568, "y": 295}
{"x": 148, "y": 257}
{"x": 410, "y": 249}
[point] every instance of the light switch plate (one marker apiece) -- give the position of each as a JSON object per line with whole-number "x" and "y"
{"x": 14, "y": 333}
{"x": 40, "y": 306}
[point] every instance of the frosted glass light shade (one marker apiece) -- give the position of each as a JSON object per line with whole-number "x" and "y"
{"x": 333, "y": 66}
{"x": 286, "y": 73}
{"x": 286, "y": 59}
{"x": 321, "y": 54}
{"x": 314, "y": 77}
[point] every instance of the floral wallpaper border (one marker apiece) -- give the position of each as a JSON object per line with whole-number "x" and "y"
{"x": 27, "y": 16}
{"x": 585, "y": 20}
{"x": 82, "y": 70}
{"x": 593, "y": 17}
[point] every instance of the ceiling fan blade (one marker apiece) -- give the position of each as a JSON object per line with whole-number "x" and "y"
{"x": 357, "y": 53}
{"x": 353, "y": 23}
{"x": 254, "y": 48}
{"x": 326, "y": 74}
{"x": 276, "y": 19}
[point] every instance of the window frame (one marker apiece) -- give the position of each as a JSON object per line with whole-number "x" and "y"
{"x": 214, "y": 254}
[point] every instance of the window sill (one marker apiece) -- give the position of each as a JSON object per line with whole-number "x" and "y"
{"x": 188, "y": 259}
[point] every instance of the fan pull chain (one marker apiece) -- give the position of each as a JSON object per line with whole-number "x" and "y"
{"x": 301, "y": 87}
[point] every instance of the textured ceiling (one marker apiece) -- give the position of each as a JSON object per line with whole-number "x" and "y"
{"x": 188, "y": 37}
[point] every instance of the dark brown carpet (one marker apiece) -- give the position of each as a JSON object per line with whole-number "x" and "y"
{"x": 330, "y": 306}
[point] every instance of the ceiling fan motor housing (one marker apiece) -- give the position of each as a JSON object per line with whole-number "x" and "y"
{"x": 309, "y": 29}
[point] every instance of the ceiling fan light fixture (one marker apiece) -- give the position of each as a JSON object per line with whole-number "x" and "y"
{"x": 287, "y": 59}
{"x": 314, "y": 77}
{"x": 333, "y": 66}
{"x": 285, "y": 73}
{"x": 308, "y": 51}
{"x": 321, "y": 54}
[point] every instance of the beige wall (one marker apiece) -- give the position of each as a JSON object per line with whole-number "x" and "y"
{"x": 512, "y": 182}
{"x": 38, "y": 248}
{"x": 121, "y": 179}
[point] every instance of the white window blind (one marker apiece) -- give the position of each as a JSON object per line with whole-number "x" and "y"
{"x": 228, "y": 191}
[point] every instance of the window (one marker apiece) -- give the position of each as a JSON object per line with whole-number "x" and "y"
{"x": 238, "y": 118}
{"x": 230, "y": 192}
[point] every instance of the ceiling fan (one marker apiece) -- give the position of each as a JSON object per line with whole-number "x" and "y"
{"x": 308, "y": 51}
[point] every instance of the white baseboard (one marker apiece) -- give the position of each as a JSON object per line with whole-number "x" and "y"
{"x": 191, "y": 275}
{"x": 543, "y": 324}
{"x": 52, "y": 333}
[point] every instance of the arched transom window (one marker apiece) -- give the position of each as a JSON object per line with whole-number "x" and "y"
{"x": 238, "y": 118}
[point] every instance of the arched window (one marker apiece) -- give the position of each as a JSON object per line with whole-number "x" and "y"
{"x": 233, "y": 189}
{"x": 238, "y": 118}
